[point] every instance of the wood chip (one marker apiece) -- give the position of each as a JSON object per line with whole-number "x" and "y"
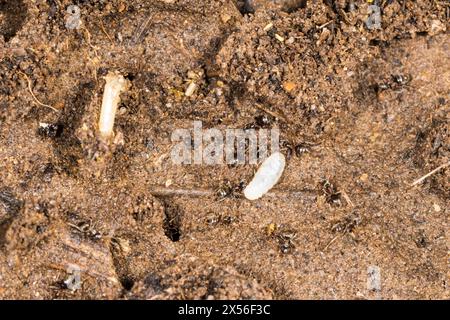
{"x": 190, "y": 89}
{"x": 268, "y": 27}
{"x": 279, "y": 38}
{"x": 289, "y": 86}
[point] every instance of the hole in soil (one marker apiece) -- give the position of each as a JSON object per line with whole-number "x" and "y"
{"x": 127, "y": 283}
{"x": 377, "y": 42}
{"x": 245, "y": 6}
{"x": 289, "y": 6}
{"x": 130, "y": 77}
{"x": 172, "y": 221}
{"x": 12, "y": 17}
{"x": 294, "y": 5}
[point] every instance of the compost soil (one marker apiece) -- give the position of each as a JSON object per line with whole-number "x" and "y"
{"x": 363, "y": 112}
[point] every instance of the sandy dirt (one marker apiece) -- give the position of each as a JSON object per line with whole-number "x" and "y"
{"x": 363, "y": 113}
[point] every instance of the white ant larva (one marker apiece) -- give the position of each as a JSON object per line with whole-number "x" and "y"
{"x": 115, "y": 85}
{"x": 266, "y": 177}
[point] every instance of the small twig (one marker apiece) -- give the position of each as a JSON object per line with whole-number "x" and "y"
{"x": 87, "y": 34}
{"x": 159, "y": 191}
{"x": 74, "y": 226}
{"x": 272, "y": 113}
{"x": 139, "y": 31}
{"x": 34, "y": 97}
{"x": 170, "y": 192}
{"x": 102, "y": 27}
{"x": 332, "y": 240}
{"x": 325, "y": 24}
{"x": 347, "y": 198}
{"x": 429, "y": 174}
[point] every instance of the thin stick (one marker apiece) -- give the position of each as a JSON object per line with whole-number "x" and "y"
{"x": 272, "y": 113}
{"x": 34, "y": 97}
{"x": 331, "y": 241}
{"x": 325, "y": 24}
{"x": 347, "y": 198}
{"x": 139, "y": 31}
{"x": 159, "y": 191}
{"x": 102, "y": 27}
{"x": 87, "y": 34}
{"x": 430, "y": 173}
{"x": 170, "y": 192}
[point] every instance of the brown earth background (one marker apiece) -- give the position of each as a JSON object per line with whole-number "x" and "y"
{"x": 362, "y": 112}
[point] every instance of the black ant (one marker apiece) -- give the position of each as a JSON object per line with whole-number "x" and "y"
{"x": 214, "y": 219}
{"x": 300, "y": 149}
{"x": 396, "y": 82}
{"x": 261, "y": 122}
{"x": 228, "y": 190}
{"x": 285, "y": 237}
{"x": 329, "y": 190}
{"x": 87, "y": 229}
{"x": 286, "y": 241}
{"x": 347, "y": 225}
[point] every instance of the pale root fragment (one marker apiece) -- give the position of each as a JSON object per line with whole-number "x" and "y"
{"x": 190, "y": 89}
{"x": 115, "y": 85}
{"x": 266, "y": 177}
